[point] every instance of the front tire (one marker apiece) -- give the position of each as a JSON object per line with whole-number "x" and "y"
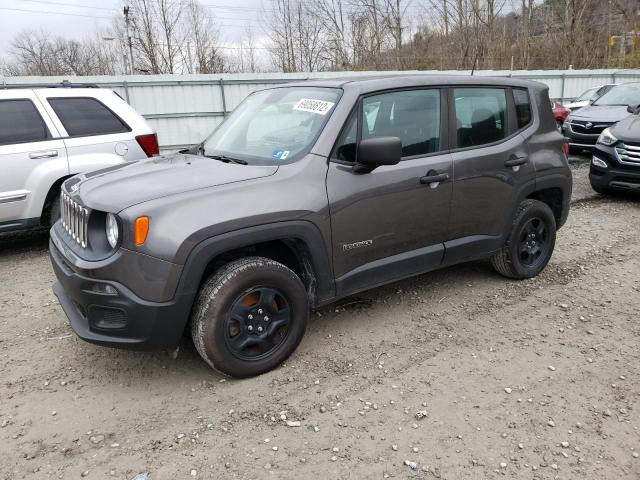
{"x": 530, "y": 243}
{"x": 249, "y": 316}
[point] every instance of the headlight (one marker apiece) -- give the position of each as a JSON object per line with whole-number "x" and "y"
{"x": 113, "y": 231}
{"x": 607, "y": 138}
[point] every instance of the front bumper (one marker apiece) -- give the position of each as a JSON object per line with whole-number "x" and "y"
{"x": 617, "y": 176}
{"x": 118, "y": 320}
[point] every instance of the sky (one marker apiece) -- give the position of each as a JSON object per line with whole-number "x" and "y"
{"x": 80, "y": 18}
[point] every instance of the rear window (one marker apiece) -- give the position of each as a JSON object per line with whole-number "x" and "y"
{"x": 481, "y": 115}
{"x": 20, "y": 122}
{"x": 86, "y": 116}
{"x": 523, "y": 107}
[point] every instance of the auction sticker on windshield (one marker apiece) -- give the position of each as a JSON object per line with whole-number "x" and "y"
{"x": 314, "y": 106}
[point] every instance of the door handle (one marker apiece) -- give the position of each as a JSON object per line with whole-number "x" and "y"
{"x": 433, "y": 177}
{"x": 515, "y": 161}
{"x": 49, "y": 154}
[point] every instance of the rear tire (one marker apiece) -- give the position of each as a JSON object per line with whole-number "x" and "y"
{"x": 249, "y": 316}
{"x": 530, "y": 243}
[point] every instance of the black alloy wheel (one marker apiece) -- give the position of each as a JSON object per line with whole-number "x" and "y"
{"x": 533, "y": 242}
{"x": 257, "y": 323}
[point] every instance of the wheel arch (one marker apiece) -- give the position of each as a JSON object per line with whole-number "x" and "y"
{"x": 555, "y": 191}
{"x": 299, "y": 245}
{"x": 50, "y": 197}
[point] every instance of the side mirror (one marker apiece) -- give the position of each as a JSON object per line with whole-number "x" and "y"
{"x": 634, "y": 108}
{"x": 374, "y": 152}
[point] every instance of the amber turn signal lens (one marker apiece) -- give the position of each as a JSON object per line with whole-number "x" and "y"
{"x": 141, "y": 230}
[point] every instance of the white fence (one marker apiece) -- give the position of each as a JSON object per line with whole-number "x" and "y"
{"x": 185, "y": 108}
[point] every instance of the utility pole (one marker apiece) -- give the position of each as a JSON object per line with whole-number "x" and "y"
{"x": 129, "y": 40}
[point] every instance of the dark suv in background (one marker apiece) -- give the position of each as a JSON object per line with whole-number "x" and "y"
{"x": 584, "y": 126}
{"x": 616, "y": 159}
{"x": 307, "y": 193}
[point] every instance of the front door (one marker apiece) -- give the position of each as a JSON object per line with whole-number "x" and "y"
{"x": 29, "y": 149}
{"x": 391, "y": 222}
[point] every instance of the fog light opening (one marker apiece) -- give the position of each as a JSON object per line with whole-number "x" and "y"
{"x": 103, "y": 289}
{"x": 598, "y": 162}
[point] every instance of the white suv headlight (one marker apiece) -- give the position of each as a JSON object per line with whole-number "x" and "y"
{"x": 112, "y": 229}
{"x": 607, "y": 138}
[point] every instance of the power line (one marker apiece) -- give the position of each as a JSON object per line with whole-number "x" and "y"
{"x": 92, "y": 7}
{"x": 103, "y": 18}
{"x": 55, "y": 13}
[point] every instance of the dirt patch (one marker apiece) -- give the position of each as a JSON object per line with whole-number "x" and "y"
{"x": 534, "y": 379}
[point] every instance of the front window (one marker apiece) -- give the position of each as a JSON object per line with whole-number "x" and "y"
{"x": 622, "y": 95}
{"x": 411, "y": 115}
{"x": 275, "y": 126}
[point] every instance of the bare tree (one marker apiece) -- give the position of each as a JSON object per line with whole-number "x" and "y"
{"x": 247, "y": 52}
{"x": 201, "y": 53}
{"x": 181, "y": 36}
{"x": 37, "y": 53}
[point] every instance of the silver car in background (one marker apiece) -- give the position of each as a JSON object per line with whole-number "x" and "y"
{"x": 589, "y": 96}
{"x": 50, "y": 134}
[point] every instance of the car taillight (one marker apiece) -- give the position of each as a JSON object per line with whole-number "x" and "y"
{"x": 149, "y": 143}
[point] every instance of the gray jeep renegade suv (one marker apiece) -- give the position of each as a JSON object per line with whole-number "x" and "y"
{"x": 307, "y": 193}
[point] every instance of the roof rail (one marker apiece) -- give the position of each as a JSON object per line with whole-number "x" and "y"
{"x": 63, "y": 84}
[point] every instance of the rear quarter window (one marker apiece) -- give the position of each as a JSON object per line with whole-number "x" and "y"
{"x": 523, "y": 107}
{"x": 86, "y": 116}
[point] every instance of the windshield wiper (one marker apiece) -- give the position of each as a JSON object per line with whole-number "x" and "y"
{"x": 224, "y": 158}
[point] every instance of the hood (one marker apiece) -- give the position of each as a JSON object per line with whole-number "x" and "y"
{"x": 116, "y": 188}
{"x": 628, "y": 130}
{"x": 601, "y": 113}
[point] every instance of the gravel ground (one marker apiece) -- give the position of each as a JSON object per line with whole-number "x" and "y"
{"x": 534, "y": 379}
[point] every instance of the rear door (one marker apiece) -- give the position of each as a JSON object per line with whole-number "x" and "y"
{"x": 391, "y": 222}
{"x": 90, "y": 128}
{"x": 30, "y": 153}
{"x": 491, "y": 160}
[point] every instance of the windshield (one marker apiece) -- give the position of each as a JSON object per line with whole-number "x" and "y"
{"x": 621, "y": 95}
{"x": 274, "y": 126}
{"x": 587, "y": 94}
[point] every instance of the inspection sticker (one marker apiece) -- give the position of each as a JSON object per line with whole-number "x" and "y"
{"x": 280, "y": 154}
{"x": 314, "y": 106}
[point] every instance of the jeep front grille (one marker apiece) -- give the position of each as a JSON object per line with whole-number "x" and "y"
{"x": 75, "y": 219}
{"x": 628, "y": 153}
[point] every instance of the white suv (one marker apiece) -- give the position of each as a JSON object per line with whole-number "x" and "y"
{"x": 50, "y": 134}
